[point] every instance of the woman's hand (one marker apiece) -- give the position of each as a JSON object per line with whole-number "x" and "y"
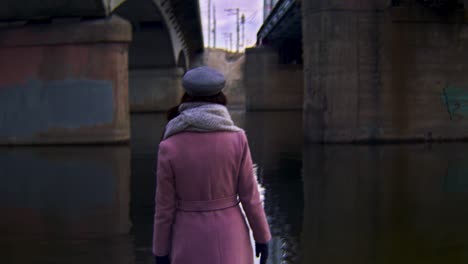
{"x": 262, "y": 251}
{"x": 162, "y": 260}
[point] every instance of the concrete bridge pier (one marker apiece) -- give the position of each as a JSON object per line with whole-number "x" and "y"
{"x": 64, "y": 81}
{"x": 384, "y": 71}
{"x": 155, "y": 89}
{"x": 269, "y": 84}
{"x": 154, "y": 74}
{"x": 274, "y": 70}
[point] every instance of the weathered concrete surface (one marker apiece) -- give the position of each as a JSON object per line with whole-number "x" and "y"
{"x": 151, "y": 49}
{"x": 33, "y": 9}
{"x": 112, "y": 29}
{"x": 375, "y": 74}
{"x": 154, "y": 76}
{"x": 270, "y": 85}
{"x": 155, "y": 89}
{"x": 53, "y": 90}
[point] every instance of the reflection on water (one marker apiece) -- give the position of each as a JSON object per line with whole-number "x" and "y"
{"x": 146, "y": 133}
{"x": 325, "y": 204}
{"x": 276, "y": 149}
{"x": 386, "y": 204}
{"x": 65, "y": 205}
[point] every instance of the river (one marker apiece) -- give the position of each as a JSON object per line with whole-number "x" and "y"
{"x": 366, "y": 204}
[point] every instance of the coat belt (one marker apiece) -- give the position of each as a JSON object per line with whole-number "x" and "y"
{"x": 209, "y": 205}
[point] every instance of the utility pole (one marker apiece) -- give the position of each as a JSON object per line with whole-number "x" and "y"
{"x": 214, "y": 26}
{"x": 243, "y": 30}
{"x": 235, "y": 11}
{"x": 228, "y": 39}
{"x": 238, "y": 40}
{"x": 209, "y": 23}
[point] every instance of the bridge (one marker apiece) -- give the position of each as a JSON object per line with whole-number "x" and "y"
{"x": 372, "y": 71}
{"x": 273, "y": 70}
{"x": 73, "y": 70}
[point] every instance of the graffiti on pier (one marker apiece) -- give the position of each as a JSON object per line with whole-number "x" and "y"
{"x": 456, "y": 179}
{"x": 456, "y": 100}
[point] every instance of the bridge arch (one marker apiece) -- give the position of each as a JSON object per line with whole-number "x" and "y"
{"x": 183, "y": 61}
{"x": 160, "y": 51}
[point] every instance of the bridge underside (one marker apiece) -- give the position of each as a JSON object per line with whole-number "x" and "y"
{"x": 165, "y": 40}
{"x": 67, "y": 67}
{"x": 282, "y": 30}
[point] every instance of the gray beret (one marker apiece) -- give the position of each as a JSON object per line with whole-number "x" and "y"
{"x": 203, "y": 81}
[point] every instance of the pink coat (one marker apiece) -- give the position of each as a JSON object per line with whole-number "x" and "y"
{"x": 197, "y": 216}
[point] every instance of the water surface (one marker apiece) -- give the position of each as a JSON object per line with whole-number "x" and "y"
{"x": 403, "y": 203}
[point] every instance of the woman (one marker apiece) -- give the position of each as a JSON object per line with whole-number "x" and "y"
{"x": 204, "y": 171}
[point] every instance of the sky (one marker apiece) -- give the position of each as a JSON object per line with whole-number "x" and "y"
{"x": 225, "y": 23}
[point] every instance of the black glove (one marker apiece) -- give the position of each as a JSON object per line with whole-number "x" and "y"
{"x": 263, "y": 250}
{"x": 162, "y": 260}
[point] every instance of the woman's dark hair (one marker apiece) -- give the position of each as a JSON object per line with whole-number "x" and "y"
{"x": 219, "y": 98}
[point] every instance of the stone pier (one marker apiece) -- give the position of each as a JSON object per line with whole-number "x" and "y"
{"x": 154, "y": 90}
{"x": 270, "y": 85}
{"x": 64, "y": 82}
{"x": 384, "y": 71}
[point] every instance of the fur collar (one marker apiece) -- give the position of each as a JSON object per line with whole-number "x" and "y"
{"x": 200, "y": 117}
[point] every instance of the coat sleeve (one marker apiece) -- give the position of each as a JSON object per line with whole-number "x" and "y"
{"x": 250, "y": 197}
{"x": 165, "y": 204}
